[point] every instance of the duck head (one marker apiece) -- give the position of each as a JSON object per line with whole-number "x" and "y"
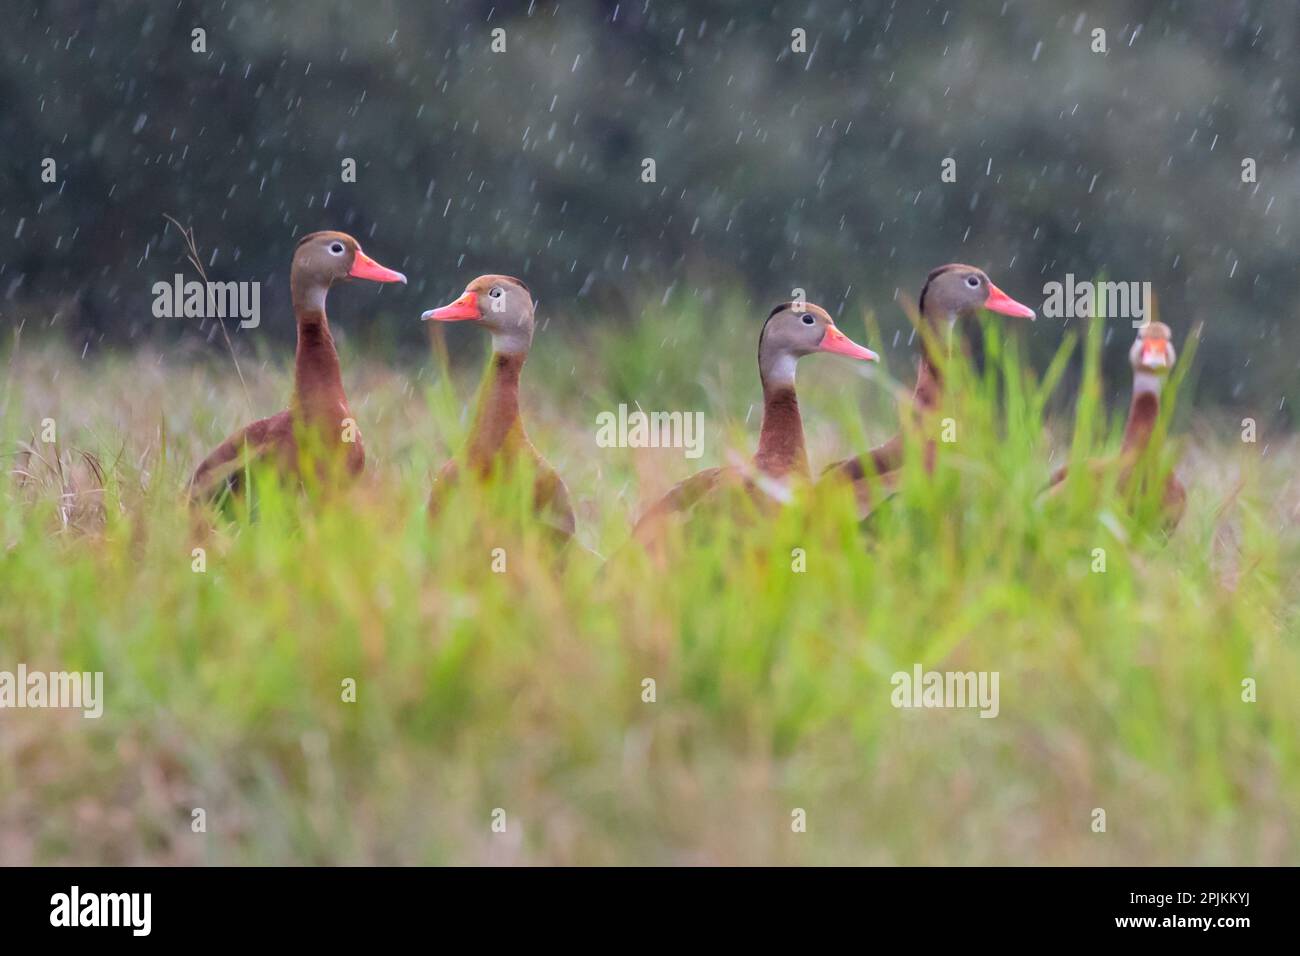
{"x": 796, "y": 329}
{"x": 501, "y": 304}
{"x": 955, "y": 291}
{"x": 323, "y": 258}
{"x": 1153, "y": 351}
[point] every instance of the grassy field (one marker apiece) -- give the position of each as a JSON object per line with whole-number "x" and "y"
{"x": 522, "y": 691}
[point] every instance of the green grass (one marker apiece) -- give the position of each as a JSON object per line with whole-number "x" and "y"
{"x": 523, "y": 690}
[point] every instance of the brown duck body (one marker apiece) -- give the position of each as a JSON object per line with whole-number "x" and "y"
{"x": 888, "y": 456}
{"x": 782, "y": 456}
{"x": 1152, "y": 356}
{"x": 318, "y": 425}
{"x": 1143, "y": 413}
{"x": 319, "y": 414}
{"x": 498, "y": 443}
{"x": 497, "y": 440}
{"x": 950, "y": 296}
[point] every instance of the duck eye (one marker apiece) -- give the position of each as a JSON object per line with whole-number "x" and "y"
{"x": 336, "y": 248}
{"x": 973, "y": 281}
{"x": 808, "y": 319}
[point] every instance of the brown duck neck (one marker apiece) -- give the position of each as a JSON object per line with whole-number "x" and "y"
{"x": 929, "y": 384}
{"x": 925, "y": 398}
{"x": 1142, "y": 414}
{"x": 317, "y": 377}
{"x": 946, "y": 328}
{"x": 929, "y": 381}
{"x": 780, "y": 442}
{"x": 497, "y": 424}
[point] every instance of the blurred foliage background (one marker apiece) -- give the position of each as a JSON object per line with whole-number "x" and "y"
{"x": 774, "y": 169}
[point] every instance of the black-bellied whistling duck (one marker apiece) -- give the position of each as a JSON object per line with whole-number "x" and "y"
{"x": 792, "y": 330}
{"x": 951, "y": 295}
{"x": 318, "y": 410}
{"x": 504, "y": 306}
{"x": 1152, "y": 358}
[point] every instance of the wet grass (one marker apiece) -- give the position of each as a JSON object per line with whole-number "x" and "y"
{"x": 523, "y": 690}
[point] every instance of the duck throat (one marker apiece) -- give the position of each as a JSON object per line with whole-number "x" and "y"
{"x": 318, "y": 394}
{"x": 951, "y": 333}
{"x": 1142, "y": 412}
{"x": 497, "y": 426}
{"x": 781, "y": 450}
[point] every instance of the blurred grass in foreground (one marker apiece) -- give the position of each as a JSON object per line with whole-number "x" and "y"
{"x": 523, "y": 690}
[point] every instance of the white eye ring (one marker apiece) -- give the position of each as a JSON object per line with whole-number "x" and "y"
{"x": 496, "y": 292}
{"x": 336, "y": 249}
{"x": 973, "y": 281}
{"x": 808, "y": 319}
